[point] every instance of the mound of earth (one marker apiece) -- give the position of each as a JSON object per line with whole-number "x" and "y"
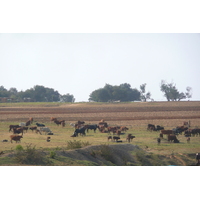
{"x": 119, "y": 154}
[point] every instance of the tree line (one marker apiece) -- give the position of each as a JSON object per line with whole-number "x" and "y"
{"x": 108, "y": 93}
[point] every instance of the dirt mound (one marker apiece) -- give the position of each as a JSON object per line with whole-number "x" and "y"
{"x": 118, "y": 154}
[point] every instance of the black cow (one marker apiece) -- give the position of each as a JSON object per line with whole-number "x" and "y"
{"x": 79, "y": 130}
{"x": 40, "y": 125}
{"x": 91, "y": 127}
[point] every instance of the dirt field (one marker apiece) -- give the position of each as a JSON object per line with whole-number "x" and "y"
{"x": 135, "y": 116}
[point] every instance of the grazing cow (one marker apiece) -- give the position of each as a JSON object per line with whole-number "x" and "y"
{"x": 18, "y": 130}
{"x": 112, "y": 129}
{"x": 151, "y": 127}
{"x": 123, "y": 128}
{"x": 80, "y": 130}
{"x": 129, "y": 137}
{"x": 60, "y": 122}
{"x": 115, "y": 138}
{"x": 4, "y": 140}
{"x": 40, "y": 125}
{"x": 13, "y": 126}
{"x": 44, "y": 129}
{"x": 109, "y": 138}
{"x": 52, "y": 119}
{"x": 33, "y": 128}
{"x": 158, "y": 128}
{"x": 91, "y": 127}
{"x": 25, "y": 128}
{"x": 16, "y": 138}
{"x": 179, "y": 129}
{"x": 173, "y": 138}
{"x": 186, "y": 124}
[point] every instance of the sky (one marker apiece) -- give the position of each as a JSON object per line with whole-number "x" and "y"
{"x": 79, "y": 63}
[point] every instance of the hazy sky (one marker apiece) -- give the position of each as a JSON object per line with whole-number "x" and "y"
{"x": 81, "y": 63}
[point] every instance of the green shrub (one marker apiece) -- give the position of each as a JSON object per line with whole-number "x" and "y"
{"x": 31, "y": 156}
{"x": 76, "y": 144}
{"x": 19, "y": 147}
{"x": 52, "y": 154}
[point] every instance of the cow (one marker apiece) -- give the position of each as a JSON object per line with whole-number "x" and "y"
{"x": 109, "y": 138}
{"x": 166, "y": 132}
{"x": 123, "y": 128}
{"x": 48, "y": 139}
{"x": 129, "y": 137}
{"x": 33, "y": 128}
{"x": 40, "y": 125}
{"x": 44, "y": 129}
{"x": 52, "y": 119}
{"x": 22, "y": 124}
{"x": 188, "y": 140}
{"x": 104, "y": 124}
{"x": 28, "y": 122}
{"x": 151, "y": 127}
{"x": 60, "y": 122}
{"x": 158, "y": 128}
{"x": 80, "y": 130}
{"x": 158, "y": 140}
{"x": 18, "y": 130}
{"x": 112, "y": 129}
{"x": 91, "y": 127}
{"x": 13, "y": 126}
{"x": 115, "y": 138}
{"x": 16, "y": 138}
{"x": 4, "y": 140}
{"x": 179, "y": 129}
{"x": 172, "y": 138}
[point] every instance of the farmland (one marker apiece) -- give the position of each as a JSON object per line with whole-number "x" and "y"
{"x": 134, "y": 115}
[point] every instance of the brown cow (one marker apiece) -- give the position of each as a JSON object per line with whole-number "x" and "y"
{"x": 13, "y": 126}
{"x": 109, "y": 138}
{"x": 33, "y": 128}
{"x": 173, "y": 138}
{"x": 166, "y": 132}
{"x": 123, "y": 128}
{"x": 28, "y": 122}
{"x": 16, "y": 138}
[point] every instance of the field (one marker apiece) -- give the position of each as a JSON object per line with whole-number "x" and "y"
{"x": 134, "y": 115}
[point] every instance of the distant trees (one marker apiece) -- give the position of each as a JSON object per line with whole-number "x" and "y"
{"x": 36, "y": 94}
{"x": 123, "y": 92}
{"x": 171, "y": 92}
{"x": 143, "y": 95}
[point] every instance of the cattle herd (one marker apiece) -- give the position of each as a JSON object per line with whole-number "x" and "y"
{"x": 113, "y": 132}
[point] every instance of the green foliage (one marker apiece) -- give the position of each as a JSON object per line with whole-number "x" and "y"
{"x": 76, "y": 144}
{"x": 123, "y": 92}
{"x": 52, "y": 154}
{"x": 19, "y": 147}
{"x": 31, "y": 156}
{"x": 171, "y": 92}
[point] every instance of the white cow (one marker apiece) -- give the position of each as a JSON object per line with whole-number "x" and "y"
{"x": 45, "y": 129}
{"x": 22, "y": 124}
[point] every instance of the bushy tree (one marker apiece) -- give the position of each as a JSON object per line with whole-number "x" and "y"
{"x": 171, "y": 92}
{"x": 123, "y": 92}
{"x": 67, "y": 98}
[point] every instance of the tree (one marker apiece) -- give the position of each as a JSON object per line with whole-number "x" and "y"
{"x": 143, "y": 96}
{"x": 171, "y": 92}
{"x": 123, "y": 92}
{"x": 67, "y": 98}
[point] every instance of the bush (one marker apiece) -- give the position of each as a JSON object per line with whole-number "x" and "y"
{"x": 52, "y": 154}
{"x": 19, "y": 147}
{"x": 31, "y": 156}
{"x": 76, "y": 144}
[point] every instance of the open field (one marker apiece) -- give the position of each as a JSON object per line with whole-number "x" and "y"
{"x": 134, "y": 115}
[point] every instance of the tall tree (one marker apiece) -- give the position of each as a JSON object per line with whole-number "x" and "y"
{"x": 171, "y": 92}
{"x": 143, "y": 95}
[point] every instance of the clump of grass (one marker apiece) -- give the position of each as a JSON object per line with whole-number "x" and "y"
{"x": 31, "y": 156}
{"x": 52, "y": 154}
{"x": 76, "y": 144}
{"x": 19, "y": 147}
